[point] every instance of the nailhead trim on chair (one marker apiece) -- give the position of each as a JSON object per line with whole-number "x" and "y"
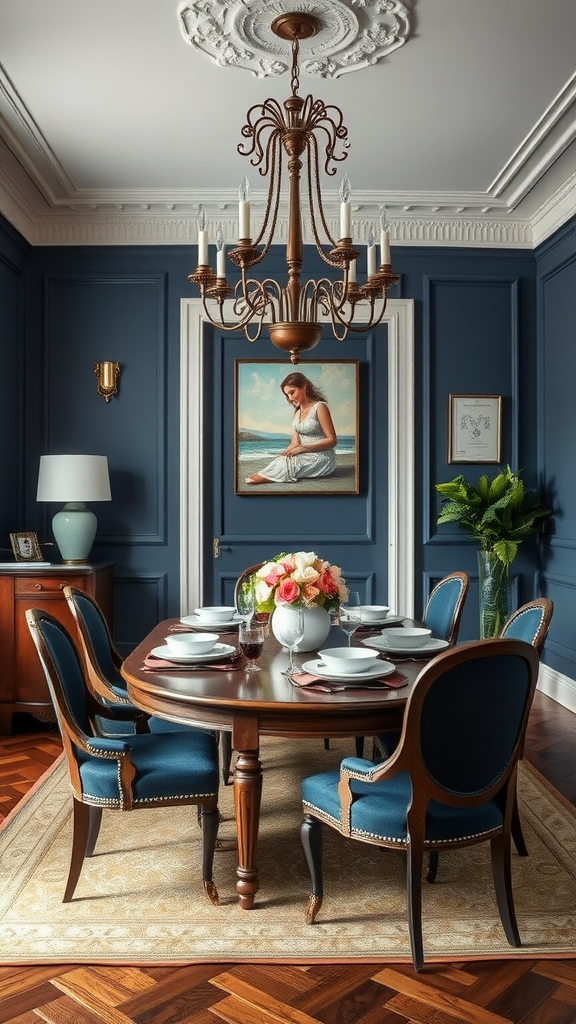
{"x": 322, "y": 816}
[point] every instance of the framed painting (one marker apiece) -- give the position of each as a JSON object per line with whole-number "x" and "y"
{"x": 296, "y": 431}
{"x": 474, "y": 428}
{"x": 25, "y": 547}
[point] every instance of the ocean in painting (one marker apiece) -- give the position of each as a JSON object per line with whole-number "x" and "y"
{"x": 267, "y": 446}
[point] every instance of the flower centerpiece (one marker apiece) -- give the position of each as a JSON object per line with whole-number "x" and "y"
{"x": 300, "y": 580}
{"x": 499, "y": 514}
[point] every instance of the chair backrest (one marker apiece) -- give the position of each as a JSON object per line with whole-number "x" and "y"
{"x": 244, "y": 575}
{"x": 445, "y": 605}
{"x": 94, "y": 635}
{"x": 66, "y": 683}
{"x": 530, "y": 622}
{"x": 465, "y": 721}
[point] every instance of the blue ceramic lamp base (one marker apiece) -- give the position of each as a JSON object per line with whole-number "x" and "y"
{"x": 74, "y": 529}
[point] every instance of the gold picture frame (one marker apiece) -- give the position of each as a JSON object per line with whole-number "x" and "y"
{"x": 25, "y": 547}
{"x": 474, "y": 428}
{"x": 263, "y": 418}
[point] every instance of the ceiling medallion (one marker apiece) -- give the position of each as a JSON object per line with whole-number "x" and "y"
{"x": 352, "y": 34}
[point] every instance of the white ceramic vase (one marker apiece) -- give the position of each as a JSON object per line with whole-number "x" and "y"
{"x": 316, "y": 626}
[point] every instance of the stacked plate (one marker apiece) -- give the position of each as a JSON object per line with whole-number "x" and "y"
{"x": 218, "y": 652}
{"x": 392, "y": 641}
{"x": 202, "y": 619}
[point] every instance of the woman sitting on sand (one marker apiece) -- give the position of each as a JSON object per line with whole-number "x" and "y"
{"x": 311, "y": 449}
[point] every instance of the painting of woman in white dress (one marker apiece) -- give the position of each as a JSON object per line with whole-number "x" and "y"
{"x": 315, "y": 452}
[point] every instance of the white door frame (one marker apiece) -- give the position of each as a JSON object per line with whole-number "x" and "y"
{"x": 399, "y": 318}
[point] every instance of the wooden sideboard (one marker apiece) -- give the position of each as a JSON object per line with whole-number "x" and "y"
{"x": 22, "y": 683}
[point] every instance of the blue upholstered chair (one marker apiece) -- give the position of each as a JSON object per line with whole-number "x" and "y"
{"x": 102, "y": 671}
{"x": 442, "y": 615}
{"x": 124, "y": 773}
{"x": 530, "y": 622}
{"x": 450, "y": 783}
{"x": 445, "y": 605}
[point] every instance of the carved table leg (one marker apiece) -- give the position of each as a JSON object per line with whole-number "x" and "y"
{"x": 247, "y": 798}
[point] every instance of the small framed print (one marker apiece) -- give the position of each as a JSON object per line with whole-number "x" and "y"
{"x": 25, "y": 547}
{"x": 474, "y": 428}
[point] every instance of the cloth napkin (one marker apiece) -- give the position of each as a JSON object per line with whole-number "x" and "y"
{"x": 154, "y": 664}
{"x": 394, "y": 681}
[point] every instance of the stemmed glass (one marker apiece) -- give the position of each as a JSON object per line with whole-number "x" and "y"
{"x": 245, "y": 601}
{"x": 292, "y": 634}
{"x": 251, "y": 643}
{"x": 350, "y": 615}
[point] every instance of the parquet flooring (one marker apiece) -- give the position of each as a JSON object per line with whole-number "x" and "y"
{"x": 478, "y": 992}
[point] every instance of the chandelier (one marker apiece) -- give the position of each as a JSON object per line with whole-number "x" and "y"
{"x": 291, "y": 311}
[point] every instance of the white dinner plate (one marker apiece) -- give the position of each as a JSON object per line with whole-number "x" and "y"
{"x": 387, "y": 620}
{"x": 380, "y": 643}
{"x": 317, "y": 668}
{"x": 204, "y": 624}
{"x": 218, "y": 651}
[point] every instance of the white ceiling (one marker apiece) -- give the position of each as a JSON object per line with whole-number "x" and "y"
{"x": 113, "y": 129}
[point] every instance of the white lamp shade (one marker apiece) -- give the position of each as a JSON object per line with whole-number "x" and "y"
{"x": 73, "y": 478}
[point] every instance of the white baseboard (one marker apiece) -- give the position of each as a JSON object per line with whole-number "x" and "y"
{"x": 561, "y": 688}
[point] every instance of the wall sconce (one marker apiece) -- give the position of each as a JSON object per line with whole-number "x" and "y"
{"x": 107, "y": 374}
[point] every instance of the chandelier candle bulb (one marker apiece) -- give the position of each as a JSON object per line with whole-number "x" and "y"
{"x": 244, "y": 208}
{"x": 345, "y": 209}
{"x": 220, "y": 253}
{"x": 384, "y": 238}
{"x": 371, "y": 254}
{"x": 352, "y": 272}
{"x": 202, "y": 238}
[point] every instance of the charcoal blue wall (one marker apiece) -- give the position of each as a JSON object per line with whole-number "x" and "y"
{"x": 13, "y": 259}
{"x": 487, "y": 322}
{"x": 556, "y": 374}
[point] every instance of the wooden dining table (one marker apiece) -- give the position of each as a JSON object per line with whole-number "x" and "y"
{"x": 251, "y": 705}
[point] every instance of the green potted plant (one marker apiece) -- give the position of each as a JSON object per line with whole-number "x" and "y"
{"x": 499, "y": 514}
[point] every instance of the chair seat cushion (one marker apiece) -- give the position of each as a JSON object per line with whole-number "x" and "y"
{"x": 379, "y": 810}
{"x": 168, "y": 766}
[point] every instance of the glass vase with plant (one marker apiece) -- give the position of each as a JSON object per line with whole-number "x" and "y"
{"x": 499, "y": 514}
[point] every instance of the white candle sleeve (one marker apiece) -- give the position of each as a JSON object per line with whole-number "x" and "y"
{"x": 345, "y": 220}
{"x": 371, "y": 254}
{"x": 221, "y": 262}
{"x": 385, "y": 247}
{"x": 203, "y": 248}
{"x": 244, "y": 219}
{"x": 352, "y": 272}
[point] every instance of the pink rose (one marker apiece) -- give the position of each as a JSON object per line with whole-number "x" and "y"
{"x": 328, "y": 584}
{"x": 275, "y": 575}
{"x": 287, "y": 592}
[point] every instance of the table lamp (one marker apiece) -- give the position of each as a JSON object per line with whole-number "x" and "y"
{"x": 74, "y": 479}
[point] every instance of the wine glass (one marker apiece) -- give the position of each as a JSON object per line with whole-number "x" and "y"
{"x": 291, "y": 634}
{"x": 350, "y": 615}
{"x": 245, "y": 601}
{"x": 251, "y": 643}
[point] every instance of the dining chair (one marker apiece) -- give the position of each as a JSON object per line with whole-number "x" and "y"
{"x": 102, "y": 663}
{"x": 530, "y": 623}
{"x": 124, "y": 773}
{"x": 451, "y": 782}
{"x": 442, "y": 614}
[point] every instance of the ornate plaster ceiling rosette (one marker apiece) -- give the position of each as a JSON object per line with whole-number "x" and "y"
{"x": 353, "y": 33}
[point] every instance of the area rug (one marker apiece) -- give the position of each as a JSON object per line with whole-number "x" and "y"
{"x": 140, "y": 900}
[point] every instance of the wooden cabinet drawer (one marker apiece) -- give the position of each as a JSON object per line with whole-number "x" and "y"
{"x": 29, "y": 587}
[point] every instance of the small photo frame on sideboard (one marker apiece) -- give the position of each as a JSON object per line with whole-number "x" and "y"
{"x": 26, "y": 547}
{"x": 474, "y": 428}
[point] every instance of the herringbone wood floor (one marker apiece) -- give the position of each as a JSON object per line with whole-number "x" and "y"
{"x": 486, "y": 992}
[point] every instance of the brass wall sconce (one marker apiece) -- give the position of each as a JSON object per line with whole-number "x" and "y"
{"x": 107, "y": 374}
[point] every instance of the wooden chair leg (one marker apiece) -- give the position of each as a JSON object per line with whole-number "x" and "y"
{"x": 359, "y": 746}
{"x": 210, "y": 822}
{"x": 502, "y": 874}
{"x": 414, "y": 863}
{"x": 311, "y": 835}
{"x": 84, "y": 819}
{"x": 326, "y": 744}
{"x": 433, "y": 858}
{"x": 93, "y": 830}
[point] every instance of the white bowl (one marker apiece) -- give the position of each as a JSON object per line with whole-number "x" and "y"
{"x": 407, "y": 636}
{"x": 215, "y": 613}
{"x": 348, "y": 659}
{"x": 191, "y": 643}
{"x": 373, "y": 612}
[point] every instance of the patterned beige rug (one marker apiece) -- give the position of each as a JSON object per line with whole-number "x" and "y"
{"x": 139, "y": 900}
